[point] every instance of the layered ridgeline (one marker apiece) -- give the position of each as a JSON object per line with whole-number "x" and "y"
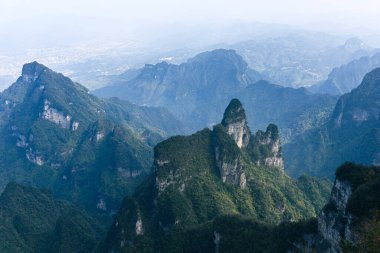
{"x": 351, "y": 134}
{"x": 200, "y": 180}
{"x": 347, "y": 77}
{"x": 192, "y": 90}
{"x": 54, "y": 134}
{"x": 198, "y": 90}
{"x": 32, "y": 221}
{"x": 300, "y": 59}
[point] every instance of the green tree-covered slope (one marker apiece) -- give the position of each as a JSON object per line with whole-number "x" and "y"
{"x": 351, "y": 134}
{"x": 32, "y": 221}
{"x": 54, "y": 134}
{"x": 199, "y": 179}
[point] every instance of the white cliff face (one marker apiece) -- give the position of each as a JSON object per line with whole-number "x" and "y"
{"x": 276, "y": 159}
{"x": 34, "y": 158}
{"x": 334, "y": 221}
{"x": 99, "y": 136}
{"x": 360, "y": 115}
{"x": 29, "y": 78}
{"x": 239, "y": 131}
{"x": 333, "y": 224}
{"x": 128, "y": 173}
{"x": 217, "y": 238}
{"x": 21, "y": 141}
{"x": 139, "y": 226}
{"x": 57, "y": 117}
{"x": 75, "y": 126}
{"x": 231, "y": 172}
{"x": 163, "y": 183}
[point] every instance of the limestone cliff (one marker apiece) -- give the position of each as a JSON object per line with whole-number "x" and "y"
{"x": 349, "y": 222}
{"x": 233, "y": 136}
{"x": 235, "y": 122}
{"x": 334, "y": 221}
{"x": 270, "y": 144}
{"x": 227, "y": 154}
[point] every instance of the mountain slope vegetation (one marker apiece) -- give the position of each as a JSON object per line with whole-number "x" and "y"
{"x": 88, "y": 150}
{"x": 351, "y": 134}
{"x": 199, "y": 179}
{"x": 31, "y": 220}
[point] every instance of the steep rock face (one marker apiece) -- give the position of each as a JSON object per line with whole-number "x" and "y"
{"x": 200, "y": 178}
{"x": 270, "y": 139}
{"x": 235, "y": 122}
{"x": 231, "y": 172}
{"x": 361, "y": 106}
{"x": 264, "y": 147}
{"x": 54, "y": 134}
{"x": 228, "y": 158}
{"x": 53, "y": 115}
{"x": 347, "y": 77}
{"x": 334, "y": 221}
{"x": 350, "y": 220}
{"x": 351, "y": 134}
{"x": 15, "y": 94}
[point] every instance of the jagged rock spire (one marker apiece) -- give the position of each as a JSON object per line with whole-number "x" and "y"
{"x": 271, "y": 138}
{"x": 235, "y": 122}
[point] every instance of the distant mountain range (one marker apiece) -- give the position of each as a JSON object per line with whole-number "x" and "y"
{"x": 299, "y": 60}
{"x": 176, "y": 170}
{"x": 351, "y": 134}
{"x": 93, "y": 152}
{"x": 222, "y": 189}
{"x": 347, "y": 77}
{"x": 291, "y": 59}
{"x": 196, "y": 92}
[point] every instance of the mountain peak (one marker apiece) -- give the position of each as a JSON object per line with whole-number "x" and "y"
{"x": 235, "y": 121}
{"x": 360, "y": 106}
{"x": 217, "y": 55}
{"x": 371, "y": 80}
{"x": 354, "y": 44}
{"x": 233, "y": 113}
{"x": 31, "y": 71}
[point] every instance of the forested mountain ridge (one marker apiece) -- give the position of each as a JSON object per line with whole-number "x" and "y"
{"x": 199, "y": 179}
{"x": 87, "y": 150}
{"x": 351, "y": 134}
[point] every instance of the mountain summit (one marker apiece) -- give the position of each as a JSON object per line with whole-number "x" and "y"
{"x": 31, "y": 71}
{"x": 235, "y": 122}
{"x": 190, "y": 89}
{"x": 197, "y": 91}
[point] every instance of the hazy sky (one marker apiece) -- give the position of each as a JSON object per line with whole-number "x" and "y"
{"x": 353, "y": 12}
{"x": 22, "y": 20}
